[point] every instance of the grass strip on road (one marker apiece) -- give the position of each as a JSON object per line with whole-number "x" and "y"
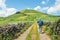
{"x": 33, "y": 34}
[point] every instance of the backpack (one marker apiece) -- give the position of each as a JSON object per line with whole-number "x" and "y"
{"x": 40, "y": 22}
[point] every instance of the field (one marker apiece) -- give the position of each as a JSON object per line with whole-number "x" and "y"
{"x": 27, "y": 16}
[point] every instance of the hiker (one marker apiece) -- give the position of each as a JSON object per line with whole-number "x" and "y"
{"x": 40, "y": 24}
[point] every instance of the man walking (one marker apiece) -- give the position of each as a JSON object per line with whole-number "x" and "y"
{"x": 40, "y": 23}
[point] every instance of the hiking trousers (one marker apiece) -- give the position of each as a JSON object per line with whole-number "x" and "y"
{"x": 40, "y": 29}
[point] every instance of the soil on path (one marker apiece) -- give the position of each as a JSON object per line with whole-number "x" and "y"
{"x": 34, "y": 32}
{"x": 24, "y": 35}
{"x": 44, "y": 37}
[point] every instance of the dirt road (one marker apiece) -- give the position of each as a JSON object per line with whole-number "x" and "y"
{"x": 23, "y": 36}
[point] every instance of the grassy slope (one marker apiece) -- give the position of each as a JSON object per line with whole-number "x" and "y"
{"x": 27, "y": 15}
{"x": 40, "y": 15}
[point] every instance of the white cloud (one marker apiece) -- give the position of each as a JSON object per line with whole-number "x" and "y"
{"x": 45, "y": 8}
{"x": 57, "y": 2}
{"x": 5, "y": 10}
{"x": 37, "y": 8}
{"x": 9, "y": 11}
{"x": 2, "y": 4}
{"x": 28, "y": 8}
{"x": 43, "y": 2}
{"x": 55, "y": 10}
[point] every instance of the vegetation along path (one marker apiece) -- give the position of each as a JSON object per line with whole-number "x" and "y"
{"x": 23, "y": 36}
{"x": 33, "y": 34}
{"x": 44, "y": 36}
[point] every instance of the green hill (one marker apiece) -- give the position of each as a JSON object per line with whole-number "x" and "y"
{"x": 27, "y": 15}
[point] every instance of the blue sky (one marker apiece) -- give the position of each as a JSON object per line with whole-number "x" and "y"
{"x": 23, "y": 4}
{"x": 9, "y": 7}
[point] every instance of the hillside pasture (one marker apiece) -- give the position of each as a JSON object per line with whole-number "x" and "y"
{"x": 28, "y": 16}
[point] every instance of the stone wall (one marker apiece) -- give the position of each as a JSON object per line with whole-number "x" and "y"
{"x": 10, "y": 30}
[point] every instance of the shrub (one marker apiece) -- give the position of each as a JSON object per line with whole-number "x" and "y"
{"x": 54, "y": 30}
{"x": 10, "y": 31}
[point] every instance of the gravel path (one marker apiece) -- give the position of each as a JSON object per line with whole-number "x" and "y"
{"x": 24, "y": 35}
{"x": 44, "y": 37}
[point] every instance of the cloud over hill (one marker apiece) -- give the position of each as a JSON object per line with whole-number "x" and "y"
{"x": 5, "y": 11}
{"x": 55, "y": 9}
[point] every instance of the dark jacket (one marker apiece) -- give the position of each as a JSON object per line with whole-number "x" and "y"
{"x": 40, "y": 22}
